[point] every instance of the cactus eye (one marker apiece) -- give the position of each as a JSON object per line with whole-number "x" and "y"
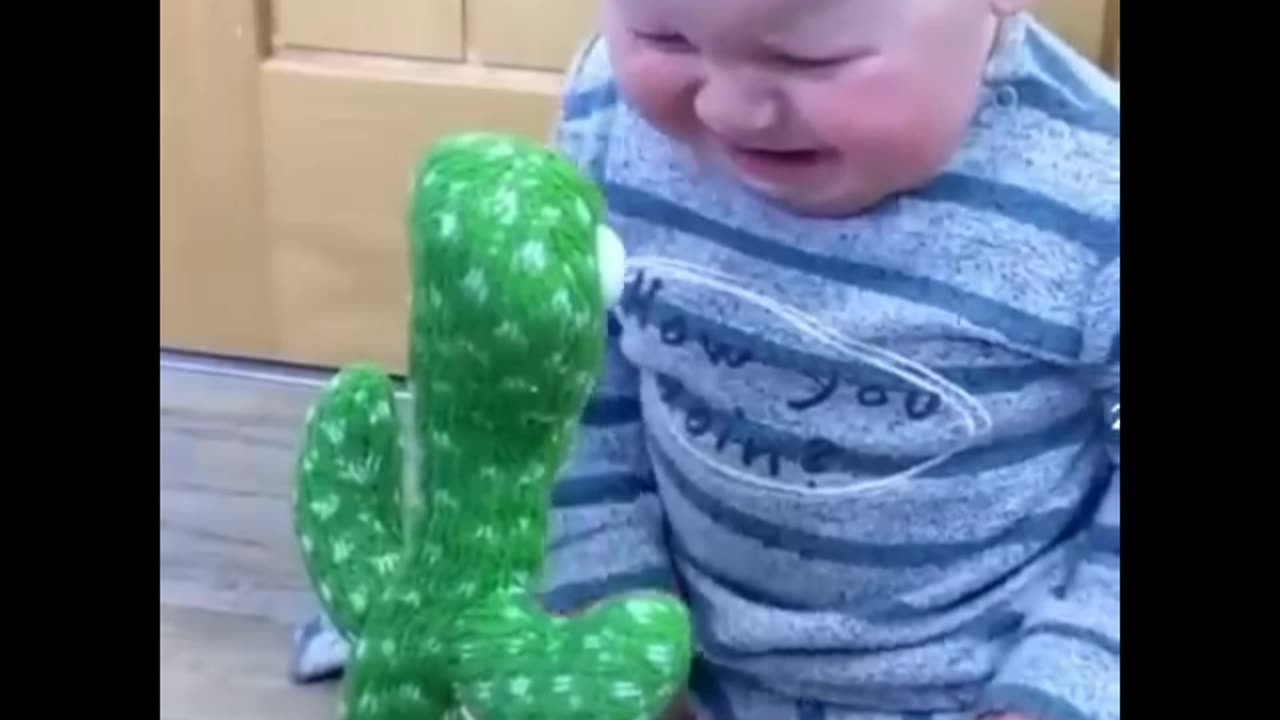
{"x": 611, "y": 258}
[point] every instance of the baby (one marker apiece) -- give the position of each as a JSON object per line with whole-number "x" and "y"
{"x": 861, "y": 410}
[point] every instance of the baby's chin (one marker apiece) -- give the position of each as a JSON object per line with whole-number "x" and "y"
{"x": 826, "y": 195}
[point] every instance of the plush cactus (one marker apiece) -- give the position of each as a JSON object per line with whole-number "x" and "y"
{"x": 430, "y": 567}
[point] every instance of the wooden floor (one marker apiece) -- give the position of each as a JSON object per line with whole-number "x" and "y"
{"x": 231, "y": 585}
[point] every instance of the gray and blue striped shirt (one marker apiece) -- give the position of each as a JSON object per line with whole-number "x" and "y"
{"x": 723, "y": 454}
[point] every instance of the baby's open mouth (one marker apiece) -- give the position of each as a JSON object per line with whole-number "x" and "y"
{"x": 776, "y": 166}
{"x": 788, "y": 157}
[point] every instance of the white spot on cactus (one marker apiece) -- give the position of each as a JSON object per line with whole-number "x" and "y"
{"x": 507, "y": 206}
{"x": 413, "y": 599}
{"x": 359, "y": 600}
{"x": 591, "y": 642}
{"x": 510, "y": 332}
{"x": 512, "y": 612}
{"x": 584, "y": 212}
{"x": 441, "y": 440}
{"x": 640, "y": 610}
{"x": 325, "y": 592}
{"x": 560, "y": 302}
{"x": 658, "y": 654}
{"x": 520, "y": 686}
{"x": 515, "y": 646}
{"x": 335, "y": 431}
{"x": 385, "y": 564}
{"x": 362, "y": 649}
{"x": 388, "y": 647}
{"x": 325, "y": 508}
{"x": 307, "y": 544}
{"x": 311, "y": 414}
{"x": 485, "y": 533}
{"x": 514, "y": 384}
{"x": 368, "y": 703}
{"x": 341, "y": 550}
{"x": 575, "y": 702}
{"x": 429, "y": 178}
{"x": 532, "y": 256}
{"x": 499, "y": 151}
{"x": 360, "y": 473}
{"x": 467, "y": 589}
{"x": 444, "y": 499}
{"x": 624, "y": 689}
{"x": 448, "y": 226}
{"x": 484, "y": 690}
{"x": 410, "y": 692}
{"x": 561, "y": 683}
{"x": 476, "y": 285}
{"x": 552, "y": 214}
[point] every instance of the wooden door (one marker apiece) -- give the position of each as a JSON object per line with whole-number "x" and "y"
{"x": 288, "y": 129}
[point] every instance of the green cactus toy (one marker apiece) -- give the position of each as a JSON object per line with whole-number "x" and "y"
{"x": 430, "y": 566}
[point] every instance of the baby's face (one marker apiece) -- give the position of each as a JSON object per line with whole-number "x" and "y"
{"x": 825, "y": 106}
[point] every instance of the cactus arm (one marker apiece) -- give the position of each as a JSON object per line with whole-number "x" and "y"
{"x": 347, "y": 509}
{"x": 622, "y": 659}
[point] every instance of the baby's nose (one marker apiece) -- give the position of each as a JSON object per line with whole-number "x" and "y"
{"x": 735, "y": 107}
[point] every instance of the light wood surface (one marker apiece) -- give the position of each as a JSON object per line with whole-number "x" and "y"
{"x": 227, "y": 448}
{"x": 341, "y": 139}
{"x": 232, "y": 589}
{"x": 525, "y": 34}
{"x": 1111, "y": 39}
{"x": 216, "y": 666}
{"x": 1081, "y": 22}
{"x": 417, "y": 28}
{"x": 215, "y": 270}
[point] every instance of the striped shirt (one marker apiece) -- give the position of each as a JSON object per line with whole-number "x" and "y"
{"x": 964, "y": 336}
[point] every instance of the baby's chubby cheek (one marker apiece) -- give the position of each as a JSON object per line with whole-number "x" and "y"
{"x": 661, "y": 91}
{"x": 884, "y": 132}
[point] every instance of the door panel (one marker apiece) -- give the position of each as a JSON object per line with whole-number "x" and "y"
{"x": 341, "y": 139}
{"x": 288, "y": 131}
{"x": 417, "y": 28}
{"x": 1083, "y": 23}
{"x": 524, "y": 34}
{"x": 215, "y": 284}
